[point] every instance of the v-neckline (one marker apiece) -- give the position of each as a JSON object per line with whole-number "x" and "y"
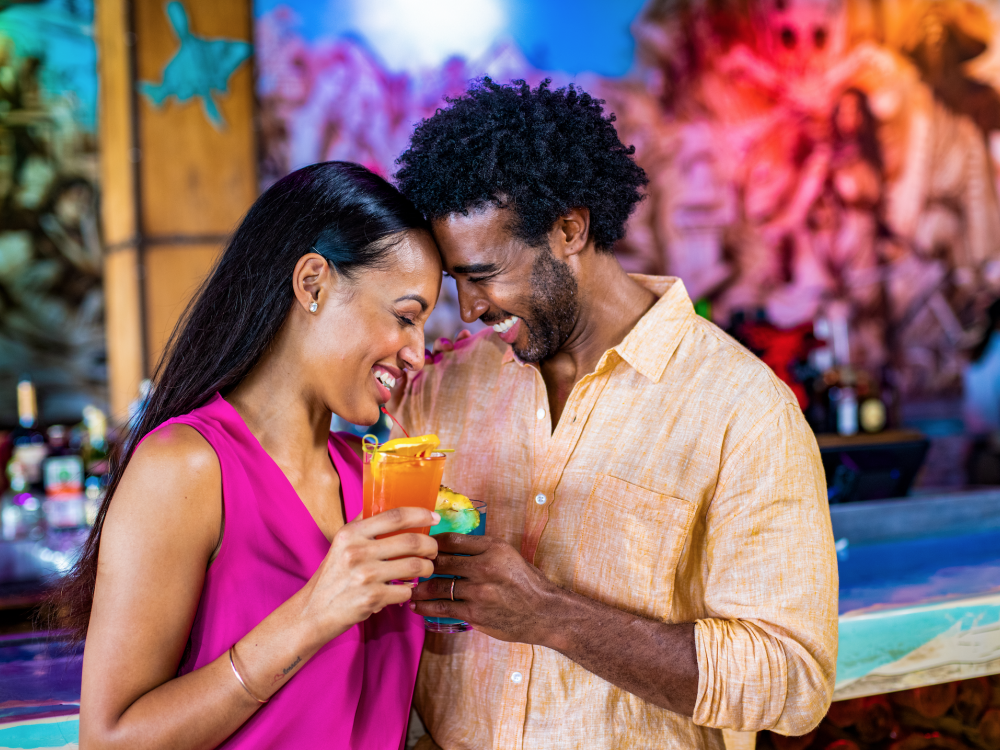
{"x": 337, "y": 461}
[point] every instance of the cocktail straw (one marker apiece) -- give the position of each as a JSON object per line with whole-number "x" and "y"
{"x": 386, "y": 412}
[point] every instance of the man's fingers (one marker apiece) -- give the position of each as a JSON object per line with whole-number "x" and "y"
{"x": 456, "y": 565}
{"x": 442, "y": 608}
{"x": 463, "y": 544}
{"x": 435, "y": 588}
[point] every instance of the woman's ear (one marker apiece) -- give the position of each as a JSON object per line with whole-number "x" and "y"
{"x": 312, "y": 282}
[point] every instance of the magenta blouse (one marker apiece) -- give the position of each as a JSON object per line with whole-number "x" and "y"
{"x": 356, "y": 691}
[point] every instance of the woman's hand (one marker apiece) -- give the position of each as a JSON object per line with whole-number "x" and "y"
{"x": 361, "y": 575}
{"x": 157, "y": 540}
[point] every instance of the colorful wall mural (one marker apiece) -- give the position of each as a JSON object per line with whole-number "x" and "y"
{"x": 817, "y": 165}
{"x": 824, "y": 159}
{"x": 51, "y": 301}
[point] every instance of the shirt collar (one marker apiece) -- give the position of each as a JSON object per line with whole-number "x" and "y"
{"x": 651, "y": 343}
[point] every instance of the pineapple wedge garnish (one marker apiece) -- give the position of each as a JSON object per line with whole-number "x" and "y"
{"x": 458, "y": 514}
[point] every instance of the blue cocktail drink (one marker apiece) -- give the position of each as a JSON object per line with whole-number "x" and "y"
{"x": 460, "y": 521}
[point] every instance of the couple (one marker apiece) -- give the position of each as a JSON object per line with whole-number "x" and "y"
{"x": 659, "y": 562}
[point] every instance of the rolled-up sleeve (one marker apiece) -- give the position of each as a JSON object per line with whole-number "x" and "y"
{"x": 767, "y": 649}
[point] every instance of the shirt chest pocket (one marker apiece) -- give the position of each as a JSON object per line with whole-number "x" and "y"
{"x": 630, "y": 543}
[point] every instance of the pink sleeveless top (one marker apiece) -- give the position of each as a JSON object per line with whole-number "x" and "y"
{"x": 356, "y": 691}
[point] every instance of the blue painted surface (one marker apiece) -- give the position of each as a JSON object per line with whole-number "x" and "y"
{"x": 895, "y": 589}
{"x": 586, "y": 36}
{"x": 200, "y": 69}
{"x": 60, "y": 32}
{"x": 867, "y": 643}
{"x": 50, "y": 734}
{"x": 918, "y": 571}
{"x": 38, "y": 676}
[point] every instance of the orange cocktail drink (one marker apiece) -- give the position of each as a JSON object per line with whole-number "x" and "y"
{"x": 393, "y": 479}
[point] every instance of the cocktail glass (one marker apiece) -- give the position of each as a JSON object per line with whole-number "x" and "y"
{"x": 401, "y": 482}
{"x": 451, "y": 624}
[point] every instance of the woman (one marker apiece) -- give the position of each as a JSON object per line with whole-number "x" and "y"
{"x": 228, "y": 601}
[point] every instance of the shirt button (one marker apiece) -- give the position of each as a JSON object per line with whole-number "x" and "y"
{"x": 540, "y": 413}
{"x": 516, "y": 678}
{"x": 540, "y": 498}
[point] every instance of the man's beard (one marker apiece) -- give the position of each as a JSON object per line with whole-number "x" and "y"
{"x": 554, "y": 308}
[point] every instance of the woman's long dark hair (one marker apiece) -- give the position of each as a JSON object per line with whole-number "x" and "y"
{"x": 341, "y": 211}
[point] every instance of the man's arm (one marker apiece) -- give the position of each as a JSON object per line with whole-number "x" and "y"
{"x": 764, "y": 655}
{"x": 767, "y": 646}
{"x": 511, "y": 600}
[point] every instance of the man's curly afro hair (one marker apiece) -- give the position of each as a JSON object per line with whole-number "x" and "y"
{"x": 538, "y": 152}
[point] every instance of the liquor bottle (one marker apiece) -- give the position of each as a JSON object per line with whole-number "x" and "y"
{"x": 29, "y": 444}
{"x": 96, "y": 450}
{"x": 21, "y": 514}
{"x": 872, "y": 413}
{"x": 63, "y": 477}
{"x": 57, "y": 437}
{"x": 62, "y": 471}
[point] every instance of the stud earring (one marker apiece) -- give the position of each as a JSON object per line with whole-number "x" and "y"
{"x": 313, "y": 306}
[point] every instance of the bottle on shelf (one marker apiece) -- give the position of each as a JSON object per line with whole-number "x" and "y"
{"x": 872, "y": 412}
{"x": 63, "y": 477}
{"x": 96, "y": 442}
{"x": 29, "y": 447}
{"x": 21, "y": 515}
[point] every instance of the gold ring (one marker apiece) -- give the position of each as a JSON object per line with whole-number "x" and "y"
{"x": 453, "y": 589}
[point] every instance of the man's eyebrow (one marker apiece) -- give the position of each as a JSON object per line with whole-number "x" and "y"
{"x": 476, "y": 268}
{"x": 415, "y": 298}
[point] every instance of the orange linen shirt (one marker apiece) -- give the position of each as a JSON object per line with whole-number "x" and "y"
{"x": 682, "y": 484}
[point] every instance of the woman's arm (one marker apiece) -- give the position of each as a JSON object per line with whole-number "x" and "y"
{"x": 160, "y": 532}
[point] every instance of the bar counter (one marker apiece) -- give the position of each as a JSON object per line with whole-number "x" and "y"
{"x": 919, "y": 605}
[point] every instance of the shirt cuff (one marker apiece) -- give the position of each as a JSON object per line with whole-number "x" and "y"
{"x": 742, "y": 676}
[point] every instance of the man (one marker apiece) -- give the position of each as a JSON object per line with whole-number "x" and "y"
{"x": 659, "y": 562}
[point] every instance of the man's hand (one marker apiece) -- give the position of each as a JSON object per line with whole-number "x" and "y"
{"x": 507, "y": 598}
{"x": 499, "y": 592}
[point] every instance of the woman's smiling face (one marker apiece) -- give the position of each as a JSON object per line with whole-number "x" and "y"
{"x": 370, "y": 328}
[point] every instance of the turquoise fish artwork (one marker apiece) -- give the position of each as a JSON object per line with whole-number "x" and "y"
{"x": 200, "y": 68}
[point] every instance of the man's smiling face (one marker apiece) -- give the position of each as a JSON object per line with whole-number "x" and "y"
{"x": 527, "y": 295}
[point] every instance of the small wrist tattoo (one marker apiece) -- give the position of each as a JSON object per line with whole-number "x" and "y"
{"x": 286, "y": 670}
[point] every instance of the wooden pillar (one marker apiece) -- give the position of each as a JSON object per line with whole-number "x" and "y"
{"x": 178, "y": 170}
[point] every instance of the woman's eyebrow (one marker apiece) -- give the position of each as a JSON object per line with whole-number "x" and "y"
{"x": 415, "y": 298}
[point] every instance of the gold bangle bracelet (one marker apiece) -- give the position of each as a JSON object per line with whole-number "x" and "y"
{"x": 236, "y": 672}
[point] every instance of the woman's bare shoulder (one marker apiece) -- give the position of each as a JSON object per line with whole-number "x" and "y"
{"x": 174, "y": 475}
{"x": 179, "y": 447}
